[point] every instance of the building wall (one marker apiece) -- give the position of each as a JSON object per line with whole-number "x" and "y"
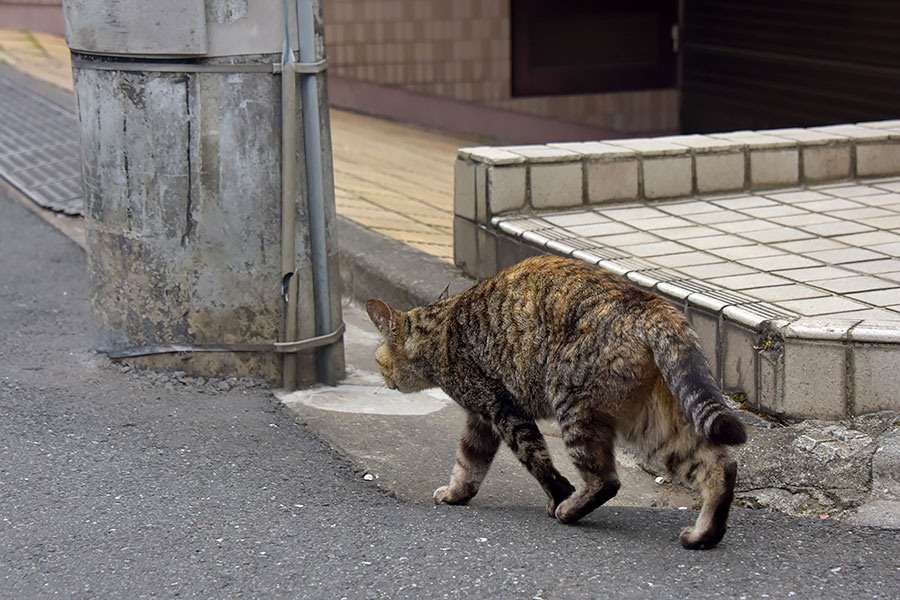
{"x": 44, "y": 16}
{"x": 460, "y": 50}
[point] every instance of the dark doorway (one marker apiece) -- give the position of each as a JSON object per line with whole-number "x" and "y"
{"x": 588, "y": 46}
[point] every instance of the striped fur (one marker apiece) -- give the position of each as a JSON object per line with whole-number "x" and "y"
{"x": 557, "y": 338}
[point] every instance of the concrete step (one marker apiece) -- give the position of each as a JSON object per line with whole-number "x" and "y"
{"x": 794, "y": 291}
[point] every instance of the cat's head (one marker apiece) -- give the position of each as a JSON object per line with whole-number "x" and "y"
{"x": 397, "y": 353}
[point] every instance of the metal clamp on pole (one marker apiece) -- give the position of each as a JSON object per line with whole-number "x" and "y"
{"x": 279, "y": 347}
{"x": 313, "y": 342}
{"x": 306, "y": 68}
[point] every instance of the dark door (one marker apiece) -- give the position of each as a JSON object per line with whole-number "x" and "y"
{"x": 758, "y": 64}
{"x": 587, "y": 46}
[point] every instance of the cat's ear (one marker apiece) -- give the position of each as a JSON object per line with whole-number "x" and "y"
{"x": 445, "y": 294}
{"x": 382, "y": 315}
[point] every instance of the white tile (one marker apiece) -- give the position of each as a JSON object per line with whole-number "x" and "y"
{"x": 692, "y": 258}
{"x": 542, "y": 153}
{"x": 891, "y": 249}
{"x": 821, "y": 306}
{"x": 595, "y": 229}
{"x": 575, "y": 218}
{"x": 836, "y": 228}
{"x": 800, "y": 196}
{"x": 667, "y": 177}
{"x": 631, "y": 213}
{"x": 814, "y": 273}
{"x": 831, "y": 204}
{"x": 653, "y": 249}
{"x": 870, "y": 238}
{"x": 717, "y": 241}
{"x": 844, "y": 255}
{"x": 663, "y": 222}
{"x": 743, "y": 202}
{"x": 880, "y": 297}
{"x": 711, "y": 271}
{"x": 810, "y": 245}
{"x": 649, "y": 146}
{"x": 685, "y": 233}
{"x": 464, "y": 189}
{"x": 745, "y": 253}
{"x": 751, "y": 280}
{"x": 877, "y": 159}
{"x": 491, "y": 155}
{"x": 743, "y": 226}
{"x": 779, "y": 293}
{"x": 595, "y": 149}
{"x": 862, "y": 283}
{"x": 556, "y": 185}
{"x": 780, "y": 262}
{"x": 506, "y": 189}
{"x": 886, "y": 265}
{"x": 687, "y": 208}
{"x": 779, "y": 234}
{"x": 774, "y": 168}
{"x": 826, "y": 163}
{"x": 629, "y": 239}
{"x": 719, "y": 172}
{"x": 611, "y": 180}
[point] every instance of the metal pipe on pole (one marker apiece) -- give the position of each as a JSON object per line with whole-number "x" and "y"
{"x": 288, "y": 207}
{"x": 309, "y": 94}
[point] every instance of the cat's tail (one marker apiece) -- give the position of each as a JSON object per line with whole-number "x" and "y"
{"x": 677, "y": 353}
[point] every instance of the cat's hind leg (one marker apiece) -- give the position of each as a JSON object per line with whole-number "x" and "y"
{"x": 660, "y": 430}
{"x": 589, "y": 442}
{"x": 714, "y": 472}
{"x": 474, "y": 455}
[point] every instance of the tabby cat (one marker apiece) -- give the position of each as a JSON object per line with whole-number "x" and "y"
{"x": 555, "y": 337}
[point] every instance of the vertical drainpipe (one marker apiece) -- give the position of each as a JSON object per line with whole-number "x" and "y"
{"x": 288, "y": 207}
{"x": 309, "y": 93}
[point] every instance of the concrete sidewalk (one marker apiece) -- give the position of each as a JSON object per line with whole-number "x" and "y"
{"x": 395, "y": 194}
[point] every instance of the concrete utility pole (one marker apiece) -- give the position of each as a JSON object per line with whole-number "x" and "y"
{"x": 181, "y": 115}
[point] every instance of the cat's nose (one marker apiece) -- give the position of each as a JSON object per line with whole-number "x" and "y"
{"x": 391, "y": 385}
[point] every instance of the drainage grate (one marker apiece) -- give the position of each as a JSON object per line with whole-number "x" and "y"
{"x": 39, "y": 150}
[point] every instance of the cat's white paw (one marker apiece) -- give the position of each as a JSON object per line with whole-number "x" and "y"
{"x": 441, "y": 494}
{"x": 448, "y": 495}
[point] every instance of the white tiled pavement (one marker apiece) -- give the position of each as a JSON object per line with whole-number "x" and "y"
{"x": 828, "y": 252}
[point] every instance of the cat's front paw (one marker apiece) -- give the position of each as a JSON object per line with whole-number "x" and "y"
{"x": 563, "y": 490}
{"x": 446, "y": 495}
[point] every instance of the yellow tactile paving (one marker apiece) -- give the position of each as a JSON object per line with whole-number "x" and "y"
{"x": 38, "y": 54}
{"x": 393, "y": 178}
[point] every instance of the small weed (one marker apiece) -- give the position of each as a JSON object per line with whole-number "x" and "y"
{"x": 34, "y": 41}
{"x": 765, "y": 345}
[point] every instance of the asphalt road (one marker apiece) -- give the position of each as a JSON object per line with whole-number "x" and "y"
{"x": 119, "y": 484}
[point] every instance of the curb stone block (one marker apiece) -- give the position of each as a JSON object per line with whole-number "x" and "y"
{"x": 739, "y": 366}
{"x": 464, "y": 189}
{"x": 556, "y": 185}
{"x": 612, "y": 180}
{"x": 878, "y": 159}
{"x": 876, "y": 377}
{"x": 667, "y": 177}
{"x": 814, "y": 379}
{"x": 774, "y": 168}
{"x": 506, "y": 189}
{"x": 826, "y": 163}
{"x": 719, "y": 172}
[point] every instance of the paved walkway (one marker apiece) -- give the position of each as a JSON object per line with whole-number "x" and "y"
{"x": 831, "y": 250}
{"x": 393, "y": 178}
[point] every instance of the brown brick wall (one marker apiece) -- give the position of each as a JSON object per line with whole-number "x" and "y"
{"x": 460, "y": 49}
